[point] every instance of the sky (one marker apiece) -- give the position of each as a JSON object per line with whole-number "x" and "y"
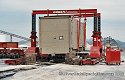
{"x": 15, "y": 15}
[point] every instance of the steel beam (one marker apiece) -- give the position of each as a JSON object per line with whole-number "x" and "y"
{"x": 77, "y": 11}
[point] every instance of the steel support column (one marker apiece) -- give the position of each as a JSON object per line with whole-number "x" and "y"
{"x": 33, "y": 33}
{"x": 84, "y": 33}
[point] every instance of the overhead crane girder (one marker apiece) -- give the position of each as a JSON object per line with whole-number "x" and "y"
{"x": 77, "y": 11}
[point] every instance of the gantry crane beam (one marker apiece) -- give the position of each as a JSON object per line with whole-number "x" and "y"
{"x": 64, "y": 11}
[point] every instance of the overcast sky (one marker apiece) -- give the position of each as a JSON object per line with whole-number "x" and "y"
{"x": 15, "y": 15}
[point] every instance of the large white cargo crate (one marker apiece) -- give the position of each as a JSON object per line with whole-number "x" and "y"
{"x": 57, "y": 34}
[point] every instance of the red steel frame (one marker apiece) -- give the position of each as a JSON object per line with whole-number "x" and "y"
{"x": 77, "y": 13}
{"x": 84, "y": 30}
{"x": 79, "y": 26}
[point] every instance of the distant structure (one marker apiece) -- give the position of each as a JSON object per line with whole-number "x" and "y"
{"x": 3, "y": 38}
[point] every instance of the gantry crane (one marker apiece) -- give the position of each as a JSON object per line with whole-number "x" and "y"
{"x": 77, "y": 13}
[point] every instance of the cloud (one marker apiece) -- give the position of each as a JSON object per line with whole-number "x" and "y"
{"x": 108, "y": 8}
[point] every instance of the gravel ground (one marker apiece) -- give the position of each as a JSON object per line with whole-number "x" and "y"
{"x": 73, "y": 72}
